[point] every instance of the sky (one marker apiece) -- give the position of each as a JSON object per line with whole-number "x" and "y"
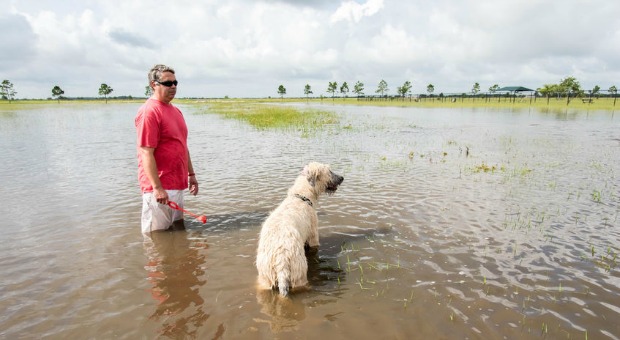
{"x": 248, "y": 48}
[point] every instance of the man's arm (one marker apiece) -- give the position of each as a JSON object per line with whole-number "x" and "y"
{"x": 193, "y": 183}
{"x": 150, "y": 168}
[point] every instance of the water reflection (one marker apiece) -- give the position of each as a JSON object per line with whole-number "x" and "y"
{"x": 324, "y": 277}
{"x": 175, "y": 270}
{"x": 284, "y": 313}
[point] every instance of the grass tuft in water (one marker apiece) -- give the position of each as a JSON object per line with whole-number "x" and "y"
{"x": 264, "y": 116}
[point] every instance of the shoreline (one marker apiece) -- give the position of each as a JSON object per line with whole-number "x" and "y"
{"x": 541, "y": 103}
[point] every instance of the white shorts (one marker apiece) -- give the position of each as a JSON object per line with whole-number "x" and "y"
{"x": 157, "y": 216}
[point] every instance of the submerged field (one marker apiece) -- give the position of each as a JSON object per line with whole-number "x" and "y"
{"x": 540, "y": 103}
{"x": 451, "y": 223}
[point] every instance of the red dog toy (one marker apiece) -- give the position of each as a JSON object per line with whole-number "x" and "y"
{"x": 201, "y": 218}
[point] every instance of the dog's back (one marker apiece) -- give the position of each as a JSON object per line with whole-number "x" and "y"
{"x": 280, "y": 258}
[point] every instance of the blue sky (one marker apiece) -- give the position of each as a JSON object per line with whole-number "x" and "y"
{"x": 247, "y": 48}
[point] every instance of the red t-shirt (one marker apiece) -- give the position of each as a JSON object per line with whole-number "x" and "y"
{"x": 161, "y": 126}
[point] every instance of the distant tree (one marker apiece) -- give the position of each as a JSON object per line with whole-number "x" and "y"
{"x": 548, "y": 90}
{"x": 382, "y": 88}
{"x": 613, "y": 90}
{"x": 148, "y": 91}
{"x": 403, "y": 90}
{"x": 475, "y": 89}
{"x": 570, "y": 85}
{"x": 344, "y": 89}
{"x": 331, "y": 88}
{"x": 358, "y": 89}
{"x": 595, "y": 91}
{"x": 281, "y": 91}
{"x": 307, "y": 91}
{"x": 6, "y": 90}
{"x": 494, "y": 89}
{"x": 430, "y": 89}
{"x": 57, "y": 92}
{"x": 105, "y": 90}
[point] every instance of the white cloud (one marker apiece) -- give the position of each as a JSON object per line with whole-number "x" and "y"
{"x": 18, "y": 48}
{"x": 354, "y": 12}
{"x": 248, "y": 47}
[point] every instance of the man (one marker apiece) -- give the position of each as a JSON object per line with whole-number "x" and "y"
{"x": 164, "y": 165}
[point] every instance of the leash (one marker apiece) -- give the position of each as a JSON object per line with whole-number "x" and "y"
{"x": 175, "y": 206}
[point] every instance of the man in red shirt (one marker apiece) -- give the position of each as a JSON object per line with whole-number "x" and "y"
{"x": 164, "y": 165}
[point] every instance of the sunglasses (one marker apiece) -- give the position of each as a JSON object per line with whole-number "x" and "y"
{"x": 168, "y": 83}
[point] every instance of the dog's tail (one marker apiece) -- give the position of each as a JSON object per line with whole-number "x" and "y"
{"x": 283, "y": 283}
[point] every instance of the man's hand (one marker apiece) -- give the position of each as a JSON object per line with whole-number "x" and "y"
{"x": 193, "y": 185}
{"x": 160, "y": 195}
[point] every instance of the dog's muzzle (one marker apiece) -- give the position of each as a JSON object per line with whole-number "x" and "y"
{"x": 334, "y": 183}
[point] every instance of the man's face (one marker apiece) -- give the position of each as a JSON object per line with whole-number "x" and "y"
{"x": 162, "y": 92}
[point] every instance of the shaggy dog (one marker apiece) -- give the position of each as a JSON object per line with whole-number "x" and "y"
{"x": 280, "y": 259}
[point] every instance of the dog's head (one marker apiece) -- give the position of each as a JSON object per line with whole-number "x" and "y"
{"x": 322, "y": 178}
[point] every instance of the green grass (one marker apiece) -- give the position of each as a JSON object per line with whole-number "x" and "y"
{"x": 265, "y": 116}
{"x": 16, "y": 105}
{"x": 553, "y": 105}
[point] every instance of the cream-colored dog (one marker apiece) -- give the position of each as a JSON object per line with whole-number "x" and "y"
{"x": 280, "y": 259}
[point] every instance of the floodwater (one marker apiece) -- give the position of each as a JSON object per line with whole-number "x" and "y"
{"x": 450, "y": 223}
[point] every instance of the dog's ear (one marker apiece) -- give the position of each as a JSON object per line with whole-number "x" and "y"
{"x": 310, "y": 174}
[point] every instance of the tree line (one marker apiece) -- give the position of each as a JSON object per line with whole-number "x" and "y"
{"x": 568, "y": 87}
{"x": 358, "y": 89}
{"x": 7, "y": 91}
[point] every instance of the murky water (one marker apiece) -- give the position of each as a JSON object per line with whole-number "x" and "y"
{"x": 451, "y": 223}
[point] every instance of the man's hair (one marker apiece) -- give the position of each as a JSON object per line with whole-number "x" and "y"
{"x": 157, "y": 70}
